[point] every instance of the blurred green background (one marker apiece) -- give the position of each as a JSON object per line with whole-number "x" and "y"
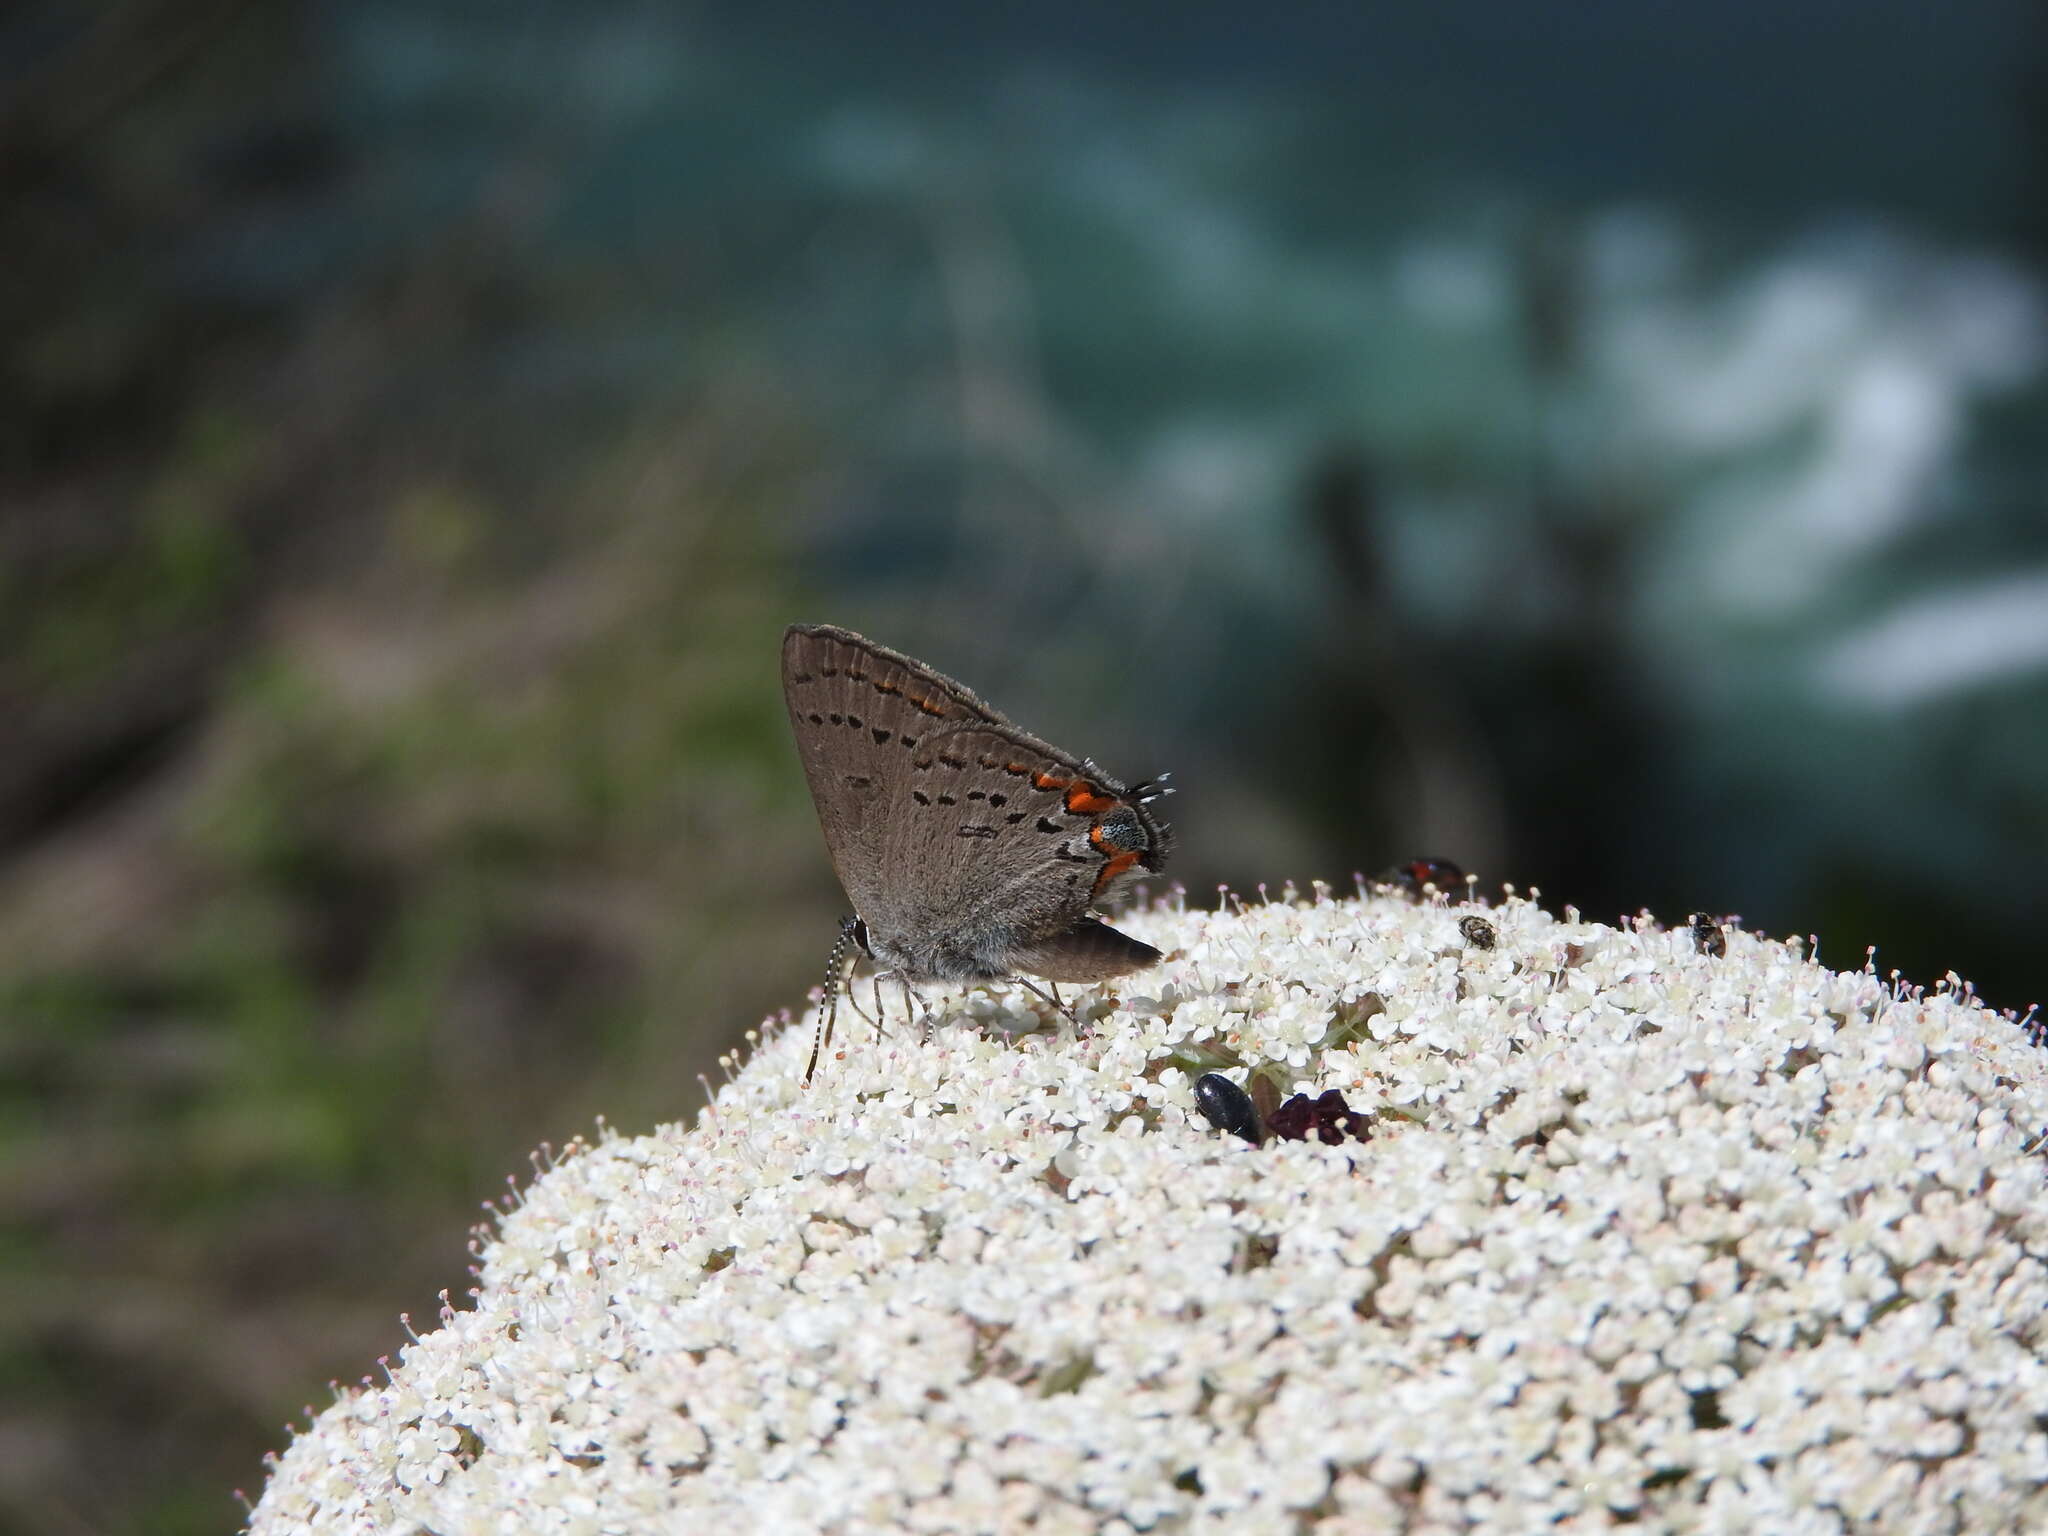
{"x": 1603, "y": 447}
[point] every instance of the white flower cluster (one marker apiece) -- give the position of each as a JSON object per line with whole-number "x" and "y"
{"x": 1643, "y": 1235}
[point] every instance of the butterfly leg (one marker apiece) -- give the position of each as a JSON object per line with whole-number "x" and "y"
{"x": 853, "y": 1002}
{"x": 913, "y": 999}
{"x": 881, "y": 1018}
{"x": 1048, "y": 997}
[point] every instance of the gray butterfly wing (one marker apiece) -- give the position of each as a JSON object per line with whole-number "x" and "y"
{"x": 995, "y": 849}
{"x": 859, "y": 711}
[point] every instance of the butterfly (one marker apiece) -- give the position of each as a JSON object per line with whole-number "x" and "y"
{"x": 970, "y": 849}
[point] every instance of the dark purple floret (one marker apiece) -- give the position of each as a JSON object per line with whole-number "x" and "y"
{"x": 1326, "y": 1117}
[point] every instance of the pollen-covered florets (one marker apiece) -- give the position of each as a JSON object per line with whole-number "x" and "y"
{"x": 1636, "y": 1232}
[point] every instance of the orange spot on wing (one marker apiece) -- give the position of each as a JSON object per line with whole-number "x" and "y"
{"x": 1084, "y": 799}
{"x": 1047, "y": 781}
{"x": 1113, "y": 868}
{"x": 929, "y": 707}
{"x": 1100, "y": 840}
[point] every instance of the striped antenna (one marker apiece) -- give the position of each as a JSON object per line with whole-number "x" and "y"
{"x": 836, "y": 970}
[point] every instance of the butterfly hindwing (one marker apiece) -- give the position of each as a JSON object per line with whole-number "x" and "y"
{"x": 1004, "y": 847}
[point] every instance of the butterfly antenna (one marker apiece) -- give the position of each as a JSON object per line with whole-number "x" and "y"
{"x": 835, "y": 983}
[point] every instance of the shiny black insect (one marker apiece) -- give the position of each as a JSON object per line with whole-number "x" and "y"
{"x": 1478, "y": 932}
{"x": 1226, "y": 1106}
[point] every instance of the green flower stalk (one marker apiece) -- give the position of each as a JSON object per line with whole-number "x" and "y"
{"x": 1638, "y": 1233}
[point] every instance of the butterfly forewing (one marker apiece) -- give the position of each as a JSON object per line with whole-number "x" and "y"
{"x": 859, "y": 710}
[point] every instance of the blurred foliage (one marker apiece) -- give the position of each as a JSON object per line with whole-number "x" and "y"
{"x": 460, "y": 853}
{"x": 389, "y": 788}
